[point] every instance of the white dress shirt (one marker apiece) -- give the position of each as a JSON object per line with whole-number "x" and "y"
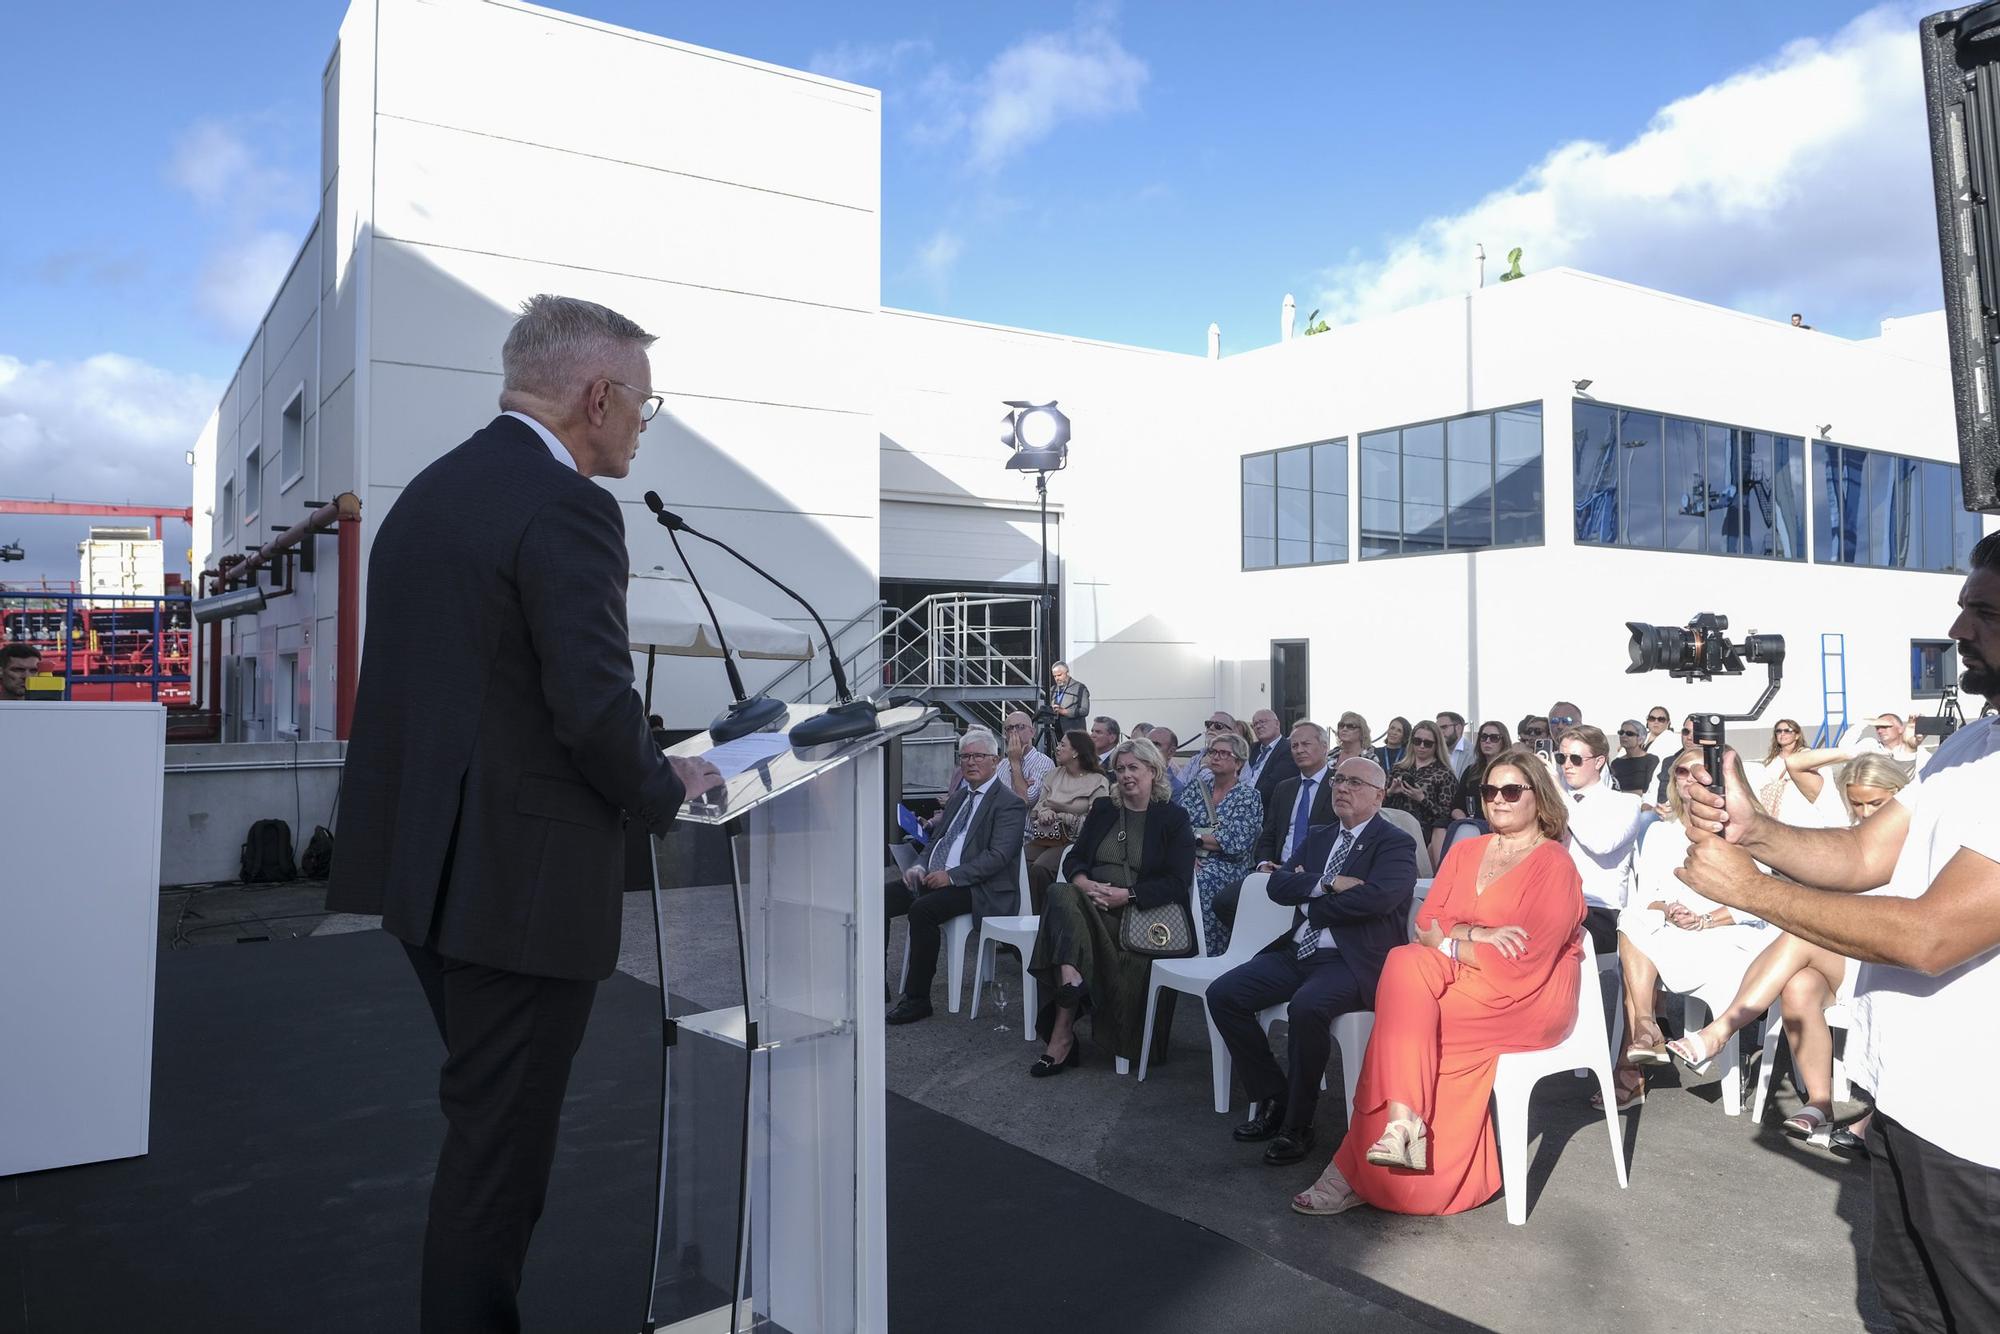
{"x": 1324, "y": 940}
{"x": 1603, "y": 833}
{"x": 1461, "y": 754}
{"x": 556, "y": 447}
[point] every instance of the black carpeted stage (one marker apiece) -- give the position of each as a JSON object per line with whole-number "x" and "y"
{"x": 294, "y": 1127}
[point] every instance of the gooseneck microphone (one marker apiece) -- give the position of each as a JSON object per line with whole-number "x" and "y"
{"x": 748, "y": 714}
{"x": 848, "y": 717}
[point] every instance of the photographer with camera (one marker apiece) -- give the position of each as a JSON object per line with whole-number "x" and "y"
{"x": 1928, "y": 939}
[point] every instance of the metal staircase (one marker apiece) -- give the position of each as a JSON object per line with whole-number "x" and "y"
{"x": 976, "y": 654}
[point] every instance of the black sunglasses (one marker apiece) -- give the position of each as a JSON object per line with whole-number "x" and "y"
{"x": 1422, "y": 741}
{"x": 1491, "y": 736}
{"x": 1626, "y": 731}
{"x": 1508, "y": 792}
{"x": 1573, "y": 759}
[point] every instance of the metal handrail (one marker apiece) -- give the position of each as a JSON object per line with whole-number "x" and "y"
{"x": 946, "y": 640}
{"x": 873, "y": 609}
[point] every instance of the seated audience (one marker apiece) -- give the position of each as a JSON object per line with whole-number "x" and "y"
{"x": 1023, "y": 768}
{"x": 1104, "y": 734}
{"x": 1298, "y": 803}
{"x": 1352, "y": 883}
{"x": 1351, "y": 735}
{"x": 1494, "y": 971}
{"x": 1423, "y": 784}
{"x": 1634, "y": 767}
{"x": 1053, "y": 821}
{"x": 1563, "y": 714}
{"x": 1395, "y": 743}
{"x": 1670, "y": 935}
{"x": 1806, "y": 980}
{"x": 1603, "y": 831}
{"x": 1167, "y": 743}
{"x": 1270, "y": 755}
{"x": 1135, "y": 846}
{"x": 1227, "y": 816}
{"x": 972, "y": 866}
{"x": 1534, "y": 732}
{"x": 1459, "y": 748}
{"x": 1661, "y": 743}
{"x": 1490, "y": 740}
{"x": 1789, "y": 782}
{"x": 1891, "y": 737}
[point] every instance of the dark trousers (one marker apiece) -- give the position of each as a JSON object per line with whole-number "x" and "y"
{"x": 1602, "y": 924}
{"x": 509, "y": 1039}
{"x": 1319, "y": 992}
{"x": 1937, "y": 1217}
{"x": 928, "y": 912}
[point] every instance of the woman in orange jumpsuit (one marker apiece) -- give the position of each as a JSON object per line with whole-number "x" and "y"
{"x": 1495, "y": 970}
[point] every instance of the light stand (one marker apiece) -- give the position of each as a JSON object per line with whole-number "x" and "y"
{"x": 1038, "y": 433}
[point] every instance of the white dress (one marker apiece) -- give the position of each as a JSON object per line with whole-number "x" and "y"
{"x": 1707, "y": 964}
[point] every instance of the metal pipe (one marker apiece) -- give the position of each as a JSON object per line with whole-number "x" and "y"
{"x": 347, "y": 626}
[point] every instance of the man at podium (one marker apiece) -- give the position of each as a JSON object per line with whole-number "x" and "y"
{"x": 496, "y": 740}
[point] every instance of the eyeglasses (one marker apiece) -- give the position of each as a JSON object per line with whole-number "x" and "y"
{"x": 1658, "y": 718}
{"x": 1786, "y": 731}
{"x": 1560, "y": 720}
{"x": 649, "y": 402}
{"x": 1019, "y": 727}
{"x": 1345, "y": 727}
{"x": 1218, "y": 752}
{"x": 1530, "y": 733}
{"x": 1491, "y": 736}
{"x": 967, "y": 756}
{"x": 1687, "y": 730}
{"x": 1507, "y": 792}
{"x": 1573, "y": 759}
{"x": 1348, "y": 783}
{"x": 1213, "y": 726}
{"x": 1626, "y": 731}
{"x": 1422, "y": 741}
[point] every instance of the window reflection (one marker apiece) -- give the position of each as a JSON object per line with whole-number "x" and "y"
{"x": 1663, "y": 483}
{"x": 1889, "y": 511}
{"x": 1462, "y": 485}
{"x": 1295, "y": 506}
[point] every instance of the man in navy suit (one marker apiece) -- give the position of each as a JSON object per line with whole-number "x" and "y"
{"x": 1352, "y": 882}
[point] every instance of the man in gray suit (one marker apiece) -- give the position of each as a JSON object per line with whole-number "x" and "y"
{"x": 973, "y": 866}
{"x": 481, "y": 796}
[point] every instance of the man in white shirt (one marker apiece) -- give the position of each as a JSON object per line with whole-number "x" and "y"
{"x": 1459, "y": 747}
{"x": 1604, "y": 827}
{"x": 1024, "y": 767}
{"x": 1913, "y": 892}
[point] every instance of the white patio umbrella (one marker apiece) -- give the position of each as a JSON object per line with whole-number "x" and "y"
{"x": 664, "y": 613}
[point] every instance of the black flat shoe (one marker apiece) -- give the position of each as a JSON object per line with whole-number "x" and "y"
{"x": 908, "y": 1010}
{"x": 1266, "y": 1120}
{"x": 1289, "y": 1147}
{"x": 1045, "y": 1067}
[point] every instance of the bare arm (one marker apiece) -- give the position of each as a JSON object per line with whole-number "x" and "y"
{"x": 1852, "y": 860}
{"x": 1956, "y": 919}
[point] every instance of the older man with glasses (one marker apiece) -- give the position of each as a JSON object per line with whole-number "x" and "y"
{"x": 1023, "y": 767}
{"x": 972, "y": 866}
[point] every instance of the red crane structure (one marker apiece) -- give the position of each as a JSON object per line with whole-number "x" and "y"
{"x": 159, "y": 514}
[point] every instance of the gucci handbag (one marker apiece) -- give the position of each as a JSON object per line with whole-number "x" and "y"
{"x": 1163, "y": 932}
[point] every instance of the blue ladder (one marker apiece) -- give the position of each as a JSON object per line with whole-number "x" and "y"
{"x": 1832, "y": 689}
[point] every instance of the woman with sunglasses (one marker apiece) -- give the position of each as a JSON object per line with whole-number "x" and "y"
{"x": 1351, "y": 740}
{"x": 1488, "y": 742}
{"x": 1633, "y": 770}
{"x": 1789, "y": 783}
{"x": 1671, "y": 935}
{"x": 1805, "y": 979}
{"x": 1228, "y": 815}
{"x": 1423, "y": 784}
{"x": 1494, "y": 970}
{"x": 1136, "y": 846}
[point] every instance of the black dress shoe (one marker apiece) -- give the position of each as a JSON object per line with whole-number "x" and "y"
{"x": 1294, "y": 1143}
{"x": 1266, "y": 1119}
{"x": 1045, "y": 1067}
{"x": 908, "y": 1010}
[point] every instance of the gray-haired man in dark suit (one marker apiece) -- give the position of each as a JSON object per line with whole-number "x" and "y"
{"x": 481, "y": 798}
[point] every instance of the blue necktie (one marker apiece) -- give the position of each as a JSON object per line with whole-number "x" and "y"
{"x": 1342, "y": 846}
{"x": 1300, "y": 813}
{"x": 958, "y": 822}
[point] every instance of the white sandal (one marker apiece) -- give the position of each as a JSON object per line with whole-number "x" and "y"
{"x": 1809, "y": 1122}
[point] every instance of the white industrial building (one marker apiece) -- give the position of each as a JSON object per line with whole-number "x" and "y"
{"x": 1455, "y": 506}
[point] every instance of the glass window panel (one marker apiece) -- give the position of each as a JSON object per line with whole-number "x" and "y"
{"x": 1517, "y": 485}
{"x": 1826, "y": 502}
{"x": 1718, "y": 491}
{"x": 1971, "y": 528}
{"x": 1259, "y": 513}
{"x": 1470, "y": 439}
{"x": 1851, "y": 487}
{"x": 1788, "y": 496}
{"x": 1754, "y": 491}
{"x": 1424, "y": 442}
{"x": 1641, "y": 450}
{"x": 1329, "y": 522}
{"x": 1682, "y": 512}
{"x": 1423, "y": 490}
{"x": 1596, "y": 456}
{"x": 1887, "y": 538}
{"x": 1381, "y": 495}
{"x": 1935, "y": 529}
{"x": 1294, "y": 506}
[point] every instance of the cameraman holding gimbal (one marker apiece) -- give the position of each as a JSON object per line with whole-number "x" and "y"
{"x": 1913, "y": 893}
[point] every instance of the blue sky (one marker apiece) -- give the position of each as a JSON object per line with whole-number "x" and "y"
{"x": 1128, "y": 173}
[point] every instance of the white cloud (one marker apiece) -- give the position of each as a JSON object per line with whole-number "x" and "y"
{"x": 109, "y": 427}
{"x": 938, "y": 256}
{"x": 237, "y": 282}
{"x": 1800, "y": 184}
{"x": 217, "y": 166}
{"x": 1048, "y": 78}
{"x": 866, "y": 62}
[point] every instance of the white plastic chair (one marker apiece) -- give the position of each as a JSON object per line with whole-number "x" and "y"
{"x": 1018, "y": 933}
{"x": 1258, "y": 922}
{"x": 1515, "y": 1075}
{"x": 1407, "y": 822}
{"x": 1352, "y": 1030}
{"x": 957, "y": 931}
{"x": 1694, "y": 1014}
{"x": 1837, "y": 1016}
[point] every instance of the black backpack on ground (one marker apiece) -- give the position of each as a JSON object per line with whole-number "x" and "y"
{"x": 317, "y": 859}
{"x": 267, "y": 853}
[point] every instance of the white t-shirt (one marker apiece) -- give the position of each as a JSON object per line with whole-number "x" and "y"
{"x": 1914, "y": 1043}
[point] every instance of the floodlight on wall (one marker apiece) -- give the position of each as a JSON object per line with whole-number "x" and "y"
{"x": 1583, "y": 386}
{"x": 1038, "y": 433}
{"x": 246, "y": 601}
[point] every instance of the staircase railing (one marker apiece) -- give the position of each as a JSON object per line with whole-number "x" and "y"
{"x": 964, "y": 649}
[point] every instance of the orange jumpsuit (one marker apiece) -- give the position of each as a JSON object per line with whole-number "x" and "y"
{"x": 1440, "y": 1026}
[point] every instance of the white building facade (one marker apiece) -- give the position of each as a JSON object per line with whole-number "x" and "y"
{"x": 1416, "y": 513}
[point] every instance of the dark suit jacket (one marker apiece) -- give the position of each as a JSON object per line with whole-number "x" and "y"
{"x": 1368, "y": 920}
{"x": 1077, "y": 719}
{"x": 990, "y": 862}
{"x": 1278, "y": 814}
{"x": 496, "y": 733}
{"x": 1166, "y": 857}
{"x": 1276, "y": 770}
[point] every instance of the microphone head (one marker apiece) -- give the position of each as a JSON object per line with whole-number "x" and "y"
{"x": 654, "y": 503}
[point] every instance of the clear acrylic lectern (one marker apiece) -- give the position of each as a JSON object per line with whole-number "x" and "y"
{"x": 771, "y": 1204}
